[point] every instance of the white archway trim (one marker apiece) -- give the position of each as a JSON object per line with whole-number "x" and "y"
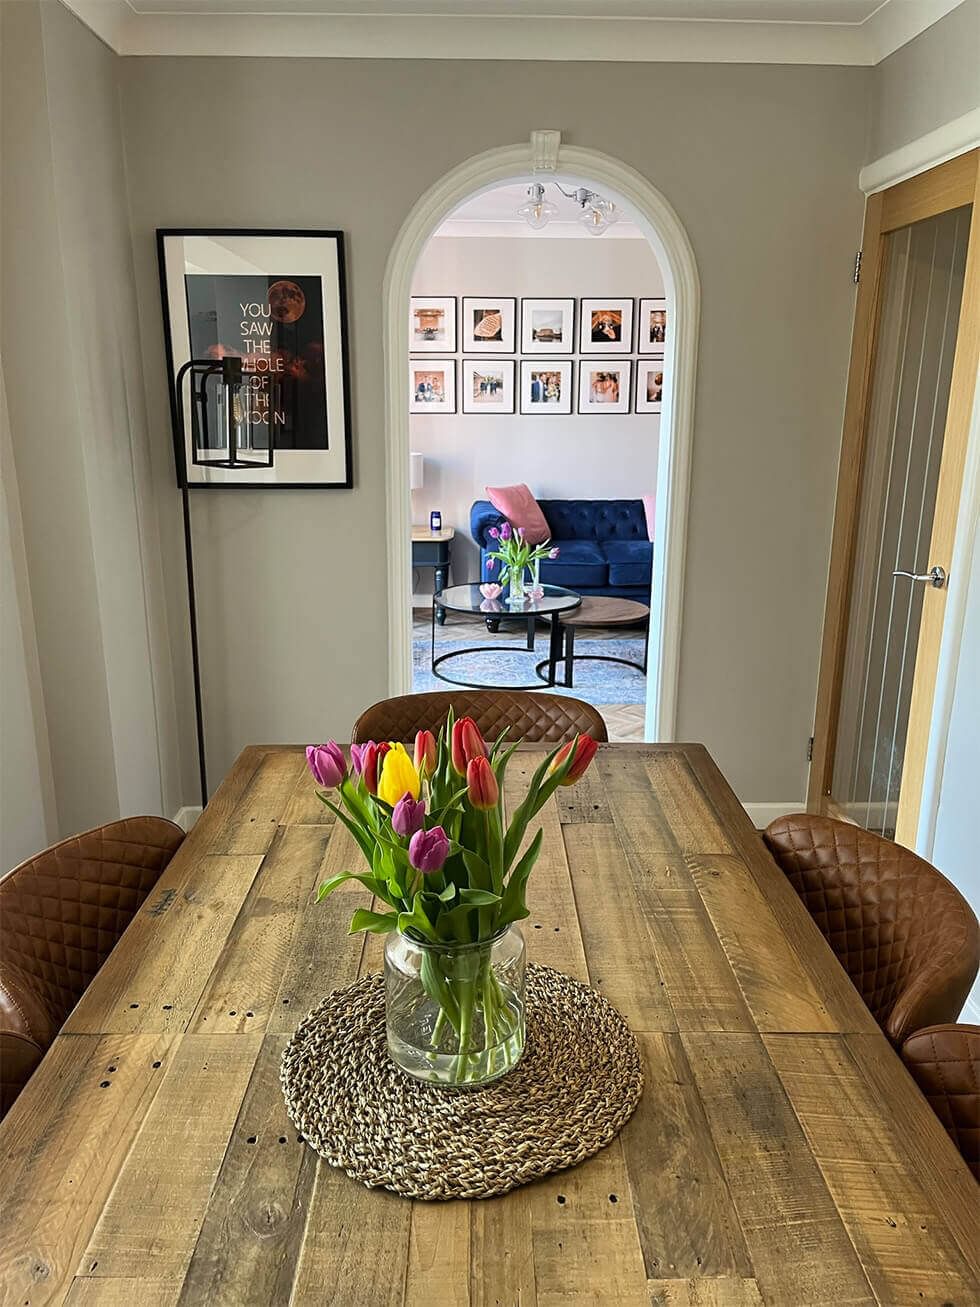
{"x": 660, "y": 224}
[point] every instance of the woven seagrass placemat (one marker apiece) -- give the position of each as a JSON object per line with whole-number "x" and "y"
{"x": 572, "y": 1092}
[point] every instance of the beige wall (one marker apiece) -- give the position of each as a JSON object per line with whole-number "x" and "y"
{"x": 761, "y": 164}
{"x": 927, "y": 83}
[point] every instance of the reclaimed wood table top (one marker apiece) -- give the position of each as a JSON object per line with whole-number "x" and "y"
{"x": 780, "y": 1154}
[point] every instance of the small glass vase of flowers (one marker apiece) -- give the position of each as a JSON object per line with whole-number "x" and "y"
{"x": 453, "y": 875}
{"x": 515, "y": 556}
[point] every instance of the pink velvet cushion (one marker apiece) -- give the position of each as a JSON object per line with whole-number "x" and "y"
{"x": 650, "y": 509}
{"x": 520, "y": 508}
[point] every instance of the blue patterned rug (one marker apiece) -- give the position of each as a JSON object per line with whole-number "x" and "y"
{"x": 595, "y": 682}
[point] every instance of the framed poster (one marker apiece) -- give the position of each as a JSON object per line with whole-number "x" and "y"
{"x": 649, "y": 385}
{"x": 488, "y": 324}
{"x": 653, "y": 326}
{"x": 604, "y": 385}
{"x": 606, "y": 326}
{"x": 432, "y": 385}
{"x": 546, "y": 386}
{"x": 432, "y": 324}
{"x": 277, "y": 300}
{"x": 488, "y": 385}
{"x": 548, "y": 326}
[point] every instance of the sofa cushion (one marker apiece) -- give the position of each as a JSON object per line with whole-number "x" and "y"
{"x": 630, "y": 561}
{"x": 579, "y": 562}
{"x": 521, "y": 509}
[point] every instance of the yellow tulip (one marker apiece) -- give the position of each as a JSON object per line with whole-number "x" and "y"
{"x": 398, "y": 777}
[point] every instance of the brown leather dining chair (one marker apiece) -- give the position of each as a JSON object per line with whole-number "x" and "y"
{"x": 944, "y": 1061}
{"x": 549, "y": 718}
{"x": 61, "y": 913}
{"x": 906, "y": 937}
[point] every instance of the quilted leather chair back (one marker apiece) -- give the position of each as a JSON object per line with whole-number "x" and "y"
{"x": 60, "y": 915}
{"x": 549, "y": 718}
{"x": 945, "y": 1064}
{"x": 906, "y": 937}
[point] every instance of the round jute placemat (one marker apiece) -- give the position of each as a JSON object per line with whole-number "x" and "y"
{"x": 572, "y": 1092}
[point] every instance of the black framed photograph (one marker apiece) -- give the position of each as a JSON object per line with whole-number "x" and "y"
{"x": 432, "y": 324}
{"x": 649, "y": 385}
{"x": 606, "y": 326}
{"x": 546, "y": 386}
{"x": 489, "y": 325}
{"x": 488, "y": 386}
{"x": 432, "y": 385}
{"x": 547, "y": 326}
{"x": 652, "y": 335}
{"x": 604, "y": 385}
{"x": 276, "y": 300}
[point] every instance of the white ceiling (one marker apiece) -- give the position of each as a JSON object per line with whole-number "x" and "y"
{"x": 690, "y": 31}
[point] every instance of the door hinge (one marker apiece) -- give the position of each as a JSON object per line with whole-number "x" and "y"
{"x": 809, "y": 749}
{"x": 857, "y": 266}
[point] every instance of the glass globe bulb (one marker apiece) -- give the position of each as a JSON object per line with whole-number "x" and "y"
{"x": 537, "y": 212}
{"x": 593, "y": 220}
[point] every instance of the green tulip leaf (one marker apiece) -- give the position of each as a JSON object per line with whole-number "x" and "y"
{"x": 378, "y": 923}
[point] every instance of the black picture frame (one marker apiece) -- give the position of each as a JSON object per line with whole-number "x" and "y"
{"x": 340, "y": 352}
{"x": 606, "y": 364}
{"x": 451, "y": 369}
{"x": 414, "y": 347}
{"x": 615, "y": 349}
{"x": 547, "y": 412}
{"x": 469, "y": 346}
{"x": 641, "y": 405}
{"x": 487, "y": 362}
{"x": 532, "y": 350}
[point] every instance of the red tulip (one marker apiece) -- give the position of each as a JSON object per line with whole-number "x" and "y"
{"x": 371, "y": 759}
{"x": 425, "y": 753}
{"x": 467, "y": 744}
{"x": 481, "y": 784}
{"x": 585, "y": 749}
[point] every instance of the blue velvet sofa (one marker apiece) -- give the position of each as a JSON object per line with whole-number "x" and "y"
{"x": 603, "y": 543}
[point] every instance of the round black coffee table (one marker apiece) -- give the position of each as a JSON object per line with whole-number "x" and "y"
{"x": 468, "y": 601}
{"x": 596, "y": 611}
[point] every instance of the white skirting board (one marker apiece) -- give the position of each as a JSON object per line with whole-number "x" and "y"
{"x": 186, "y": 817}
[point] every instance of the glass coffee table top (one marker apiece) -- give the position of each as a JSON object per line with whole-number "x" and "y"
{"x": 468, "y": 599}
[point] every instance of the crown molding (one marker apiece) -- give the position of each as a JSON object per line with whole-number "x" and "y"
{"x": 545, "y": 37}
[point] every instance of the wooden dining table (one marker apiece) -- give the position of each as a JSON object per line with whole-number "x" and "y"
{"x": 780, "y": 1153}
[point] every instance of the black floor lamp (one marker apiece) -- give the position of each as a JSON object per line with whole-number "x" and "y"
{"x": 237, "y": 420}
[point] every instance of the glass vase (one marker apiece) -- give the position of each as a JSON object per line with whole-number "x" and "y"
{"x": 455, "y": 1012}
{"x": 517, "y": 593}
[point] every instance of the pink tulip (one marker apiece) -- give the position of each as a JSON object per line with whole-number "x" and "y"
{"x": 357, "y": 758}
{"x": 428, "y": 850}
{"x": 407, "y": 816}
{"x": 481, "y": 784}
{"x": 327, "y": 764}
{"x": 466, "y": 743}
{"x": 553, "y": 553}
{"x": 426, "y": 753}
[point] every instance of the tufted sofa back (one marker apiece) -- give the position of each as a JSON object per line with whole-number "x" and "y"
{"x": 573, "y": 519}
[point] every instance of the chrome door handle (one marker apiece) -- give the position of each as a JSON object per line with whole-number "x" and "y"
{"x": 936, "y": 576}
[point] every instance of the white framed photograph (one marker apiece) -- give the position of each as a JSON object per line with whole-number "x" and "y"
{"x": 432, "y": 324}
{"x": 488, "y": 385}
{"x": 432, "y": 385}
{"x": 604, "y": 385}
{"x": 489, "y": 325}
{"x": 546, "y": 386}
{"x": 649, "y": 385}
{"x": 605, "y": 326}
{"x": 652, "y": 336}
{"x": 548, "y": 326}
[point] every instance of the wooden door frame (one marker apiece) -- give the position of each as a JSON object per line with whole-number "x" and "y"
{"x": 948, "y": 186}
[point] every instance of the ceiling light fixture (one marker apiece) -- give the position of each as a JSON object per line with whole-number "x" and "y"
{"x": 595, "y": 212}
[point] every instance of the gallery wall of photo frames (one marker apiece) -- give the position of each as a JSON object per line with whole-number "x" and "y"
{"x": 588, "y": 356}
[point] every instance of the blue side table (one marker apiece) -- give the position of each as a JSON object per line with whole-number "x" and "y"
{"x": 432, "y": 549}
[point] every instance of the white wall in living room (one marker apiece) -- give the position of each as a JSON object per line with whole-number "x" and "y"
{"x": 606, "y": 456}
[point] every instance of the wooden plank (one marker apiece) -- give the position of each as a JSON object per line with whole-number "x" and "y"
{"x": 250, "y": 1241}
{"x": 584, "y": 1238}
{"x": 621, "y": 960}
{"x": 907, "y": 1250}
{"x": 151, "y": 1222}
{"x": 586, "y": 801}
{"x": 123, "y": 1293}
{"x": 705, "y": 1293}
{"x": 687, "y": 1221}
{"x": 690, "y": 818}
{"x": 439, "y": 1256}
{"x": 262, "y": 804}
{"x": 154, "y": 977}
{"x": 355, "y": 1249}
{"x": 303, "y": 807}
{"x": 780, "y": 995}
{"x": 62, "y": 1144}
{"x": 947, "y": 186}
{"x": 502, "y": 1252}
{"x": 934, "y": 1159}
{"x": 243, "y": 988}
{"x": 322, "y": 955}
{"x": 800, "y": 1251}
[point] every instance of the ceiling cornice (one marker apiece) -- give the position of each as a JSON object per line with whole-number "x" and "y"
{"x": 458, "y": 36}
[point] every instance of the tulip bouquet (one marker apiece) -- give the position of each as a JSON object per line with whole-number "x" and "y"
{"x": 452, "y": 874}
{"x": 515, "y": 555}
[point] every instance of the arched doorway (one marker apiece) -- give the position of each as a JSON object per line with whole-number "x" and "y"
{"x": 544, "y": 157}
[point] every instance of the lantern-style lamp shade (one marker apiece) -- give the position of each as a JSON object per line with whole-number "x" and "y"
{"x": 417, "y": 462}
